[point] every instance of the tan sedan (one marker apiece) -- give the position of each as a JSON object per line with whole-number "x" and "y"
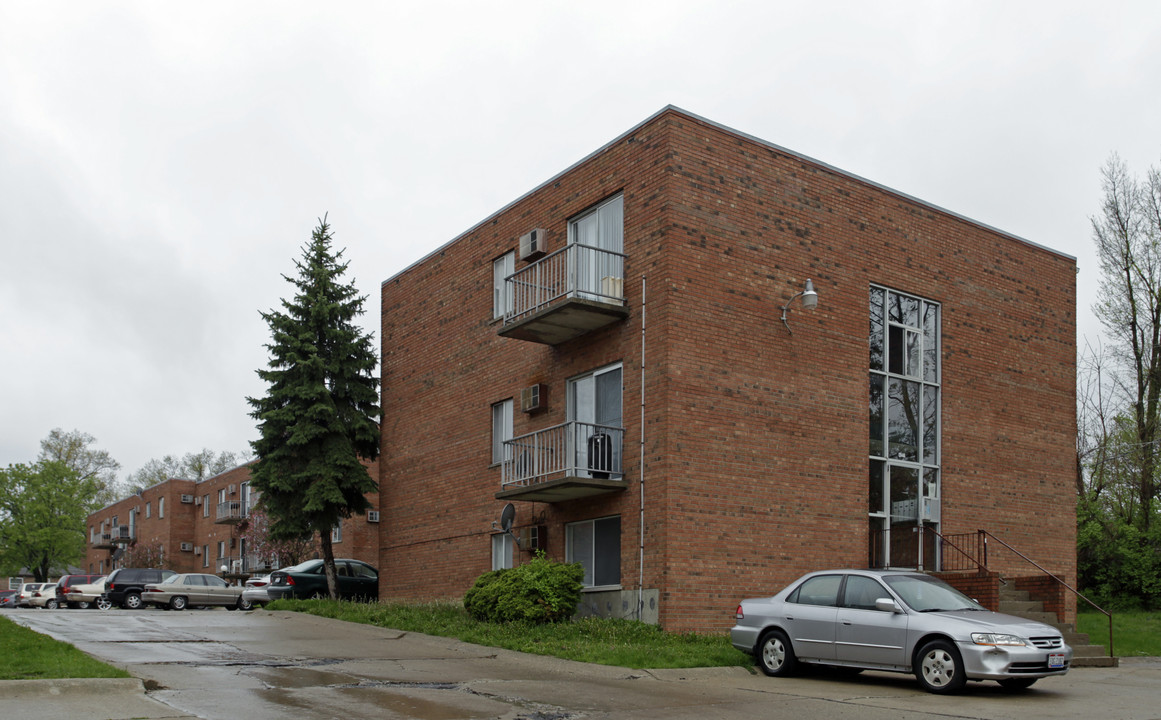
{"x": 197, "y": 589}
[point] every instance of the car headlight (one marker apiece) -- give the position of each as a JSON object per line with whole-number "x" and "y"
{"x": 997, "y": 639}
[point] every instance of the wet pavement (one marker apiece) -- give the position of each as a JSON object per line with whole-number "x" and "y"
{"x": 260, "y": 665}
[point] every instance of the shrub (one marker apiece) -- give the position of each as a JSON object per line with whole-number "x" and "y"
{"x": 541, "y": 591}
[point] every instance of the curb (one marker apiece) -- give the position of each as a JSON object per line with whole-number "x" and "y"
{"x": 66, "y": 687}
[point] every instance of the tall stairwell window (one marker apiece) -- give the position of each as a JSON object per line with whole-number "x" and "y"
{"x": 904, "y": 482}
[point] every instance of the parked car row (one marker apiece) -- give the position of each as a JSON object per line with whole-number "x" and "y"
{"x": 133, "y": 588}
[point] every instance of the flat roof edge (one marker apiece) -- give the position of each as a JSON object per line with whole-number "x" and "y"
{"x": 747, "y": 136}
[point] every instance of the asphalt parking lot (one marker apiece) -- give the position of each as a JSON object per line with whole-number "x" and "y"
{"x": 259, "y": 665}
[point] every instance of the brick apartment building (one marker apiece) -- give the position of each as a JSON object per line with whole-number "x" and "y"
{"x": 203, "y": 526}
{"x": 628, "y": 356}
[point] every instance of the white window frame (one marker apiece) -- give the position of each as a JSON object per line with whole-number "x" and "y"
{"x": 206, "y": 555}
{"x": 337, "y": 533}
{"x": 160, "y": 508}
{"x": 206, "y": 505}
{"x": 586, "y": 556}
{"x": 502, "y": 291}
{"x": 502, "y": 419}
{"x": 503, "y": 551}
{"x": 148, "y": 511}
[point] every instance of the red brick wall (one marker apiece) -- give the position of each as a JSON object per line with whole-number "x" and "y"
{"x": 755, "y": 438}
{"x": 984, "y": 588}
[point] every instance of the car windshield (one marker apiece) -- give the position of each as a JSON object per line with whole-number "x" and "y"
{"x": 926, "y": 594}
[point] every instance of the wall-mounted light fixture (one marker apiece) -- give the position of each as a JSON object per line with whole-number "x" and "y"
{"x": 809, "y": 302}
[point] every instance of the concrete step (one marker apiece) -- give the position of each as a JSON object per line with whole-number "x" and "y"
{"x": 1102, "y": 661}
{"x": 1009, "y": 593}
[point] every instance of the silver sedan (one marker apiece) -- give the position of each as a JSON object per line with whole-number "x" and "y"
{"x": 897, "y": 621}
{"x": 197, "y": 589}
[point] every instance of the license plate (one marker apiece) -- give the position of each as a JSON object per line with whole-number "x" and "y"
{"x": 1055, "y": 661}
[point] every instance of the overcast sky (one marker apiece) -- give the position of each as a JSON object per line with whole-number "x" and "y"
{"x": 162, "y": 164}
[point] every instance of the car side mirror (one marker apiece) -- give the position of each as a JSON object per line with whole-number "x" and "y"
{"x": 888, "y": 605}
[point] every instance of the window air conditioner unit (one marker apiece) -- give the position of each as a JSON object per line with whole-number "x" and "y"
{"x": 532, "y": 245}
{"x": 233, "y": 489}
{"x": 197, "y": 551}
{"x": 187, "y": 547}
{"x": 533, "y": 398}
{"x": 198, "y": 500}
{"x": 372, "y": 516}
{"x": 187, "y": 499}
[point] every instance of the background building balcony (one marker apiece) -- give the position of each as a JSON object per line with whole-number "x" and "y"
{"x": 230, "y": 512}
{"x": 563, "y": 462}
{"x": 573, "y": 291}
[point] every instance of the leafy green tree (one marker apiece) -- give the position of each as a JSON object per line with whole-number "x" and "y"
{"x": 320, "y": 414}
{"x": 74, "y": 449}
{"x": 43, "y": 508}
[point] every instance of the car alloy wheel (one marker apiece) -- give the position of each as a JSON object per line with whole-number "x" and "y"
{"x": 939, "y": 668}
{"x": 244, "y": 604}
{"x": 177, "y": 602}
{"x": 132, "y": 601}
{"x": 104, "y": 603}
{"x": 51, "y": 605}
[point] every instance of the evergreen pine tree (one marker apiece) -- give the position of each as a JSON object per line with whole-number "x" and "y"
{"x": 320, "y": 414}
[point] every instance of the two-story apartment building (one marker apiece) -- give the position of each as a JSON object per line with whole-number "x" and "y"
{"x": 205, "y": 526}
{"x": 701, "y": 364}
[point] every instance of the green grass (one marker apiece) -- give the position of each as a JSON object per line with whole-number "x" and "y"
{"x": 29, "y": 655}
{"x": 1136, "y": 633}
{"x": 624, "y": 643}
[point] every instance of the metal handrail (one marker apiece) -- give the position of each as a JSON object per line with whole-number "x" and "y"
{"x": 985, "y": 535}
{"x": 571, "y": 449}
{"x": 575, "y": 270}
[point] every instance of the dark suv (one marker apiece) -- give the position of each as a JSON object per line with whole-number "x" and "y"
{"x": 66, "y": 582}
{"x": 123, "y": 586}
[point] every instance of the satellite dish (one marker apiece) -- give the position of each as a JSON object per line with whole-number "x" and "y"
{"x": 507, "y": 517}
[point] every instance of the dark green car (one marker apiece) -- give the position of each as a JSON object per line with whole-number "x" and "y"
{"x": 356, "y": 580}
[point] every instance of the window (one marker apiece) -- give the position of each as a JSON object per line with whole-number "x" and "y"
{"x": 337, "y": 533}
{"x": 596, "y": 545}
{"x": 818, "y": 590}
{"x": 502, "y": 546}
{"x": 501, "y": 430}
{"x": 222, "y": 496}
{"x": 205, "y": 556}
{"x": 206, "y": 505}
{"x": 147, "y": 509}
{"x": 160, "y": 507}
{"x": 594, "y": 408}
{"x": 221, "y": 549}
{"x": 598, "y": 234}
{"x": 862, "y": 592}
{"x": 502, "y": 295}
{"x": 904, "y": 420}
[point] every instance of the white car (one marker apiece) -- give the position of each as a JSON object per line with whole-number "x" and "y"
{"x": 255, "y": 591}
{"x": 44, "y": 597}
{"x": 25, "y": 593}
{"x": 87, "y": 595}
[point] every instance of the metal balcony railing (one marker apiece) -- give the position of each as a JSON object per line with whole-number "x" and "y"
{"x": 573, "y": 449}
{"x": 231, "y": 511}
{"x": 574, "y": 271}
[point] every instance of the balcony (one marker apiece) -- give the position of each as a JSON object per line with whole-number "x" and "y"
{"x": 563, "y": 462}
{"x": 230, "y": 512}
{"x": 123, "y": 535}
{"x": 573, "y": 291}
{"x": 103, "y": 541}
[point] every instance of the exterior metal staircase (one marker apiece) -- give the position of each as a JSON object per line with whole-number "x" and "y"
{"x": 1084, "y": 654}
